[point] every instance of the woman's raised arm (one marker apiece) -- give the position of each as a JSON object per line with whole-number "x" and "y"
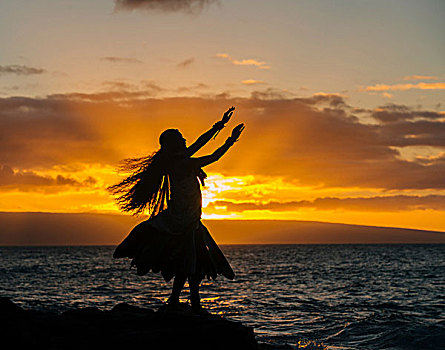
{"x": 211, "y": 158}
{"x": 204, "y": 138}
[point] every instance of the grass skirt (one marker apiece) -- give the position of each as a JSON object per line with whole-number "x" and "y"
{"x": 192, "y": 252}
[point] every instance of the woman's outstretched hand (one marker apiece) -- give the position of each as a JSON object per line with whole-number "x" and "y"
{"x": 236, "y": 132}
{"x": 227, "y": 115}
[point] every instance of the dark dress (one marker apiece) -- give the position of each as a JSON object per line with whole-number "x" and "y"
{"x": 175, "y": 242}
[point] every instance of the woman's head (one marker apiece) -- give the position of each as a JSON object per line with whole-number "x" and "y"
{"x": 147, "y": 186}
{"x": 172, "y": 141}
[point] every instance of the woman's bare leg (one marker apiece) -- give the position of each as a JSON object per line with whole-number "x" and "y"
{"x": 178, "y": 284}
{"x": 195, "y": 299}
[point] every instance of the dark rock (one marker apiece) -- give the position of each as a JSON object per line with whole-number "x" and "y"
{"x": 265, "y": 346}
{"x": 125, "y": 326}
{"x": 124, "y": 308}
{"x": 8, "y": 307}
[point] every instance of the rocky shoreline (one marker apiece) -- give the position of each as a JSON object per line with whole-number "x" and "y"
{"x": 124, "y": 326}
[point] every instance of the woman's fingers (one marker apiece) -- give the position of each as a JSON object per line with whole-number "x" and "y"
{"x": 229, "y": 112}
{"x": 237, "y": 130}
{"x": 231, "y": 109}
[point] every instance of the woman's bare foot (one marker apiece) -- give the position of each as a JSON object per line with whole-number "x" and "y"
{"x": 173, "y": 301}
{"x": 176, "y": 307}
{"x": 197, "y": 309}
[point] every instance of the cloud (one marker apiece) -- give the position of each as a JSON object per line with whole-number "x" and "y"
{"x": 20, "y": 70}
{"x": 118, "y": 85}
{"x": 187, "y": 6}
{"x": 375, "y": 204}
{"x": 430, "y": 160}
{"x": 192, "y": 88}
{"x": 314, "y": 141}
{"x": 244, "y": 62}
{"x": 120, "y": 59}
{"x": 116, "y": 89}
{"x": 404, "y": 87}
{"x": 270, "y": 94}
{"x": 333, "y": 100}
{"x": 26, "y": 180}
{"x": 252, "y": 82}
{"x": 420, "y": 77}
{"x": 186, "y": 63}
{"x": 391, "y": 113}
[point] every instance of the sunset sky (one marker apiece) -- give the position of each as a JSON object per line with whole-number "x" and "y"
{"x": 343, "y": 101}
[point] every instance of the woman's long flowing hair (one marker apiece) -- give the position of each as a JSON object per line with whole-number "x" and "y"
{"x": 146, "y": 188}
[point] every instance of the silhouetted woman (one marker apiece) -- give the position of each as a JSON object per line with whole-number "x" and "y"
{"x": 173, "y": 240}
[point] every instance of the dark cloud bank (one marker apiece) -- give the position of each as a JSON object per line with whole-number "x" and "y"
{"x": 376, "y": 203}
{"x": 317, "y": 141}
{"x": 30, "y": 181}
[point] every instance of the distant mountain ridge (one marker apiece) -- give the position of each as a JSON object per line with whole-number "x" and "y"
{"x": 109, "y": 229}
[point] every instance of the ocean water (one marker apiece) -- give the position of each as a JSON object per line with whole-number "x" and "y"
{"x": 308, "y": 296}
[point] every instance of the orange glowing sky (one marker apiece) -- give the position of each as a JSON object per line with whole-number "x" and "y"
{"x": 342, "y": 104}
